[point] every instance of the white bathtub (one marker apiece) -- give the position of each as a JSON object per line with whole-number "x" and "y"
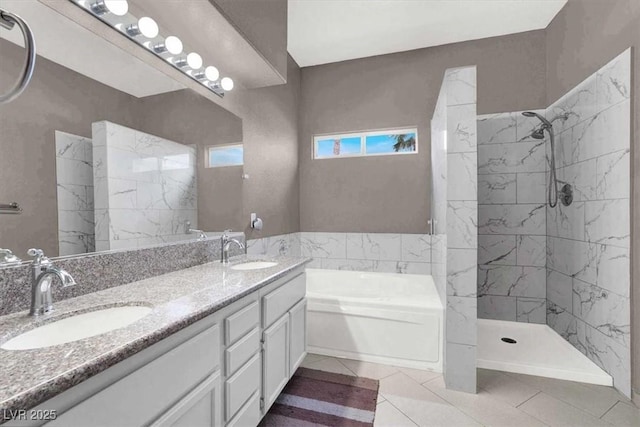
{"x": 387, "y": 318}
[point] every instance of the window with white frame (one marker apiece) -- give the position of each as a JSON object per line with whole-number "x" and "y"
{"x": 375, "y": 143}
{"x": 225, "y": 155}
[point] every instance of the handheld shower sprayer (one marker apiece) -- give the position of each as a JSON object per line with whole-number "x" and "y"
{"x": 566, "y": 193}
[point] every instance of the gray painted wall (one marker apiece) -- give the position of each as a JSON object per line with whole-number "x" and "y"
{"x": 264, "y": 24}
{"x": 583, "y": 37}
{"x": 56, "y": 99}
{"x": 60, "y": 99}
{"x": 387, "y": 193}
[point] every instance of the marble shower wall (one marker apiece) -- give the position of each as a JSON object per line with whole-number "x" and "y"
{"x": 512, "y": 219}
{"x": 588, "y": 269}
{"x": 455, "y": 211}
{"x": 378, "y": 252}
{"x": 74, "y": 182}
{"x": 144, "y": 188}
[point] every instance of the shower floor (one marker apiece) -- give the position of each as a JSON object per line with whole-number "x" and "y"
{"x": 538, "y": 350}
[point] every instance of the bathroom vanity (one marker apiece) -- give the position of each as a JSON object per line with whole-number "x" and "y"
{"x": 217, "y": 349}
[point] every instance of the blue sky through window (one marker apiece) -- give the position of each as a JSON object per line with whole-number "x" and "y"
{"x": 383, "y": 144}
{"x": 226, "y": 156}
{"x": 348, "y": 146}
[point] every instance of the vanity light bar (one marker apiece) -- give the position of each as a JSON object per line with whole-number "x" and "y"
{"x": 146, "y": 33}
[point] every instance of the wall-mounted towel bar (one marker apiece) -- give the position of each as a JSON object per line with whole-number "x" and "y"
{"x": 10, "y": 208}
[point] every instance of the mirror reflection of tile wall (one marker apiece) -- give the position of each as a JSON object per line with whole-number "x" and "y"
{"x": 123, "y": 189}
{"x": 74, "y": 173}
{"x": 145, "y": 188}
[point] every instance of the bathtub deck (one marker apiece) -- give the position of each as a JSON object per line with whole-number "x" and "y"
{"x": 538, "y": 351}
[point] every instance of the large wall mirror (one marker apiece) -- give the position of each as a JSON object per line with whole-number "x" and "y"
{"x": 105, "y": 152}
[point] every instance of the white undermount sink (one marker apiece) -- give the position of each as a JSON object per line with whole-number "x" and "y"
{"x": 254, "y": 265}
{"x": 77, "y": 327}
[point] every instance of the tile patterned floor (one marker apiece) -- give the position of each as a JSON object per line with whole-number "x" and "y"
{"x": 411, "y": 397}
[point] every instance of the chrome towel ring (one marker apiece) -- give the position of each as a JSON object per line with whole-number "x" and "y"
{"x": 8, "y": 20}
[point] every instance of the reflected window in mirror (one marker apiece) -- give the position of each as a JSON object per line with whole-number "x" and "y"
{"x": 225, "y": 155}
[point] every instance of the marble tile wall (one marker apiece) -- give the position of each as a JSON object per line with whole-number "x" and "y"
{"x": 74, "y": 182}
{"x": 588, "y": 263}
{"x": 512, "y": 219}
{"x": 454, "y": 246}
{"x": 462, "y": 220}
{"x": 378, "y": 252}
{"x": 144, "y": 188}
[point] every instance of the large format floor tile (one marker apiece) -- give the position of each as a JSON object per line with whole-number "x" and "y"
{"x": 483, "y": 407}
{"x": 368, "y": 370}
{"x": 623, "y": 415}
{"x": 595, "y": 401}
{"x": 557, "y": 413}
{"x": 505, "y": 388}
{"x": 413, "y": 397}
{"x": 388, "y": 415}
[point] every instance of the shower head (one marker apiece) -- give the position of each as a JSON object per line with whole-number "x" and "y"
{"x": 542, "y": 119}
{"x": 538, "y": 133}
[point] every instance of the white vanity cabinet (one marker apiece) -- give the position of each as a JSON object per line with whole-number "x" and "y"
{"x": 165, "y": 389}
{"x": 284, "y": 336}
{"x": 224, "y": 370}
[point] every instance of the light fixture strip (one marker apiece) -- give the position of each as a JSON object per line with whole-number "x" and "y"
{"x": 145, "y": 33}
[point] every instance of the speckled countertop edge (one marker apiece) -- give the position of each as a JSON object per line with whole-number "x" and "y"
{"x": 179, "y": 299}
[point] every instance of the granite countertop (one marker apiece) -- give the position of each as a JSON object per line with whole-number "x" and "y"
{"x": 178, "y": 299}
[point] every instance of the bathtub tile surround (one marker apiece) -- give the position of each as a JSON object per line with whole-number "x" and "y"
{"x": 284, "y": 244}
{"x": 145, "y": 188}
{"x": 511, "y": 219}
{"x": 455, "y": 242}
{"x": 99, "y": 271}
{"x": 376, "y": 252}
{"x": 588, "y": 271}
{"x": 74, "y": 182}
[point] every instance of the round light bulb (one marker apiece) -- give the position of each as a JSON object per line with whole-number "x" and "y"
{"x": 194, "y": 60}
{"x": 173, "y": 45}
{"x": 226, "y": 83}
{"x": 211, "y": 73}
{"x": 148, "y": 27}
{"x": 117, "y": 7}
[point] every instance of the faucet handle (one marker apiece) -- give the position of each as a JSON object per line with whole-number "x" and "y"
{"x": 38, "y": 255}
{"x": 7, "y": 257}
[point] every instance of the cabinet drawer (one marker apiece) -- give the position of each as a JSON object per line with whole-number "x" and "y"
{"x": 249, "y": 415}
{"x": 145, "y": 394}
{"x": 241, "y": 386}
{"x": 278, "y": 302}
{"x": 238, "y": 324}
{"x": 240, "y": 353}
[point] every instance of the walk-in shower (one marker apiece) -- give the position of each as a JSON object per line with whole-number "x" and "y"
{"x": 566, "y": 193}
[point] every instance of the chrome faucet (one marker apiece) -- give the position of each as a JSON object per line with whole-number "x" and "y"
{"x": 42, "y": 273}
{"x": 225, "y": 243}
{"x": 8, "y": 258}
{"x": 201, "y": 234}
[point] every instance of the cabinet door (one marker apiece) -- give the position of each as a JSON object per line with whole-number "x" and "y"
{"x": 202, "y": 407}
{"x": 298, "y": 335}
{"x": 275, "y": 367}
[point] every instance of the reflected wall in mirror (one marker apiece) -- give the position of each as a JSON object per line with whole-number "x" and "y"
{"x": 103, "y": 151}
